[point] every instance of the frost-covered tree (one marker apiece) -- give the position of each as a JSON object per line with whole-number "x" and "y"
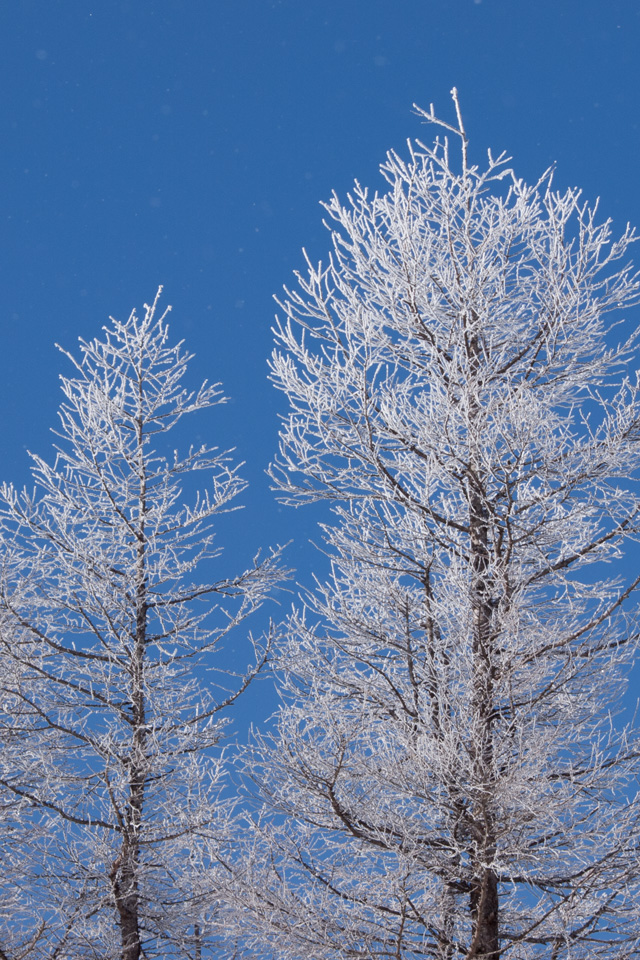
{"x": 451, "y": 774}
{"x": 111, "y": 609}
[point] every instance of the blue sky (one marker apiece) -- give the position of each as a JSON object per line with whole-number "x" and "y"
{"x": 189, "y": 142}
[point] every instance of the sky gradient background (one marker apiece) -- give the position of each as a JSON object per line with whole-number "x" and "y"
{"x": 188, "y": 143}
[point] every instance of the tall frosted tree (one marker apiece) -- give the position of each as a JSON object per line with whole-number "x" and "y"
{"x": 111, "y": 609}
{"x": 451, "y": 773}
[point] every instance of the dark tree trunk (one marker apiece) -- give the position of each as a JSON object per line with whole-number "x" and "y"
{"x": 125, "y": 873}
{"x": 484, "y": 913}
{"x": 484, "y": 900}
{"x": 125, "y": 888}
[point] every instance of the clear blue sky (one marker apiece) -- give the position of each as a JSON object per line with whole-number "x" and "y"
{"x": 189, "y": 142}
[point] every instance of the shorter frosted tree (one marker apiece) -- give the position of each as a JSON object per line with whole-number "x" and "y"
{"x": 449, "y": 776}
{"x": 111, "y": 609}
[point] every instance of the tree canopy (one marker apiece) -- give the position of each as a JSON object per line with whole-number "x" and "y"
{"x": 112, "y": 606}
{"x": 451, "y": 776}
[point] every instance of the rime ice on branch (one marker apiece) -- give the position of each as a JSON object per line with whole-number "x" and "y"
{"x": 111, "y": 611}
{"x": 446, "y": 779}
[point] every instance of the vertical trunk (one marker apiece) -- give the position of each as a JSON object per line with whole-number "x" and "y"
{"x": 126, "y": 867}
{"x": 484, "y": 912}
{"x": 483, "y": 900}
{"x": 484, "y": 885}
{"x": 125, "y": 886}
